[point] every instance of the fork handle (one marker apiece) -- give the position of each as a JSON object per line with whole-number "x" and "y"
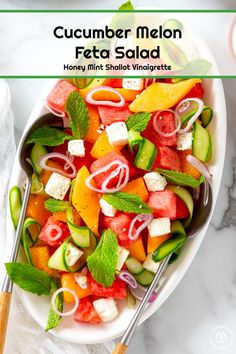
{"x": 5, "y": 301}
{"x": 120, "y": 348}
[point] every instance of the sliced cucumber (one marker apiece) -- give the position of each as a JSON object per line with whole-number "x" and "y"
{"x": 145, "y": 278}
{"x": 37, "y": 186}
{"x": 133, "y": 265}
{"x": 82, "y": 83}
{"x": 15, "y": 202}
{"x": 146, "y": 155}
{"x": 177, "y": 228}
{"x": 186, "y": 198}
{"x": 201, "y": 143}
{"x": 206, "y": 116}
{"x": 57, "y": 260}
{"x": 37, "y": 152}
{"x": 80, "y": 235}
{"x": 170, "y": 246}
{"x": 130, "y": 299}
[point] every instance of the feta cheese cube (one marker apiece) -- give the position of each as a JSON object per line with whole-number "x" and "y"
{"x": 122, "y": 256}
{"x": 154, "y": 181}
{"x": 106, "y": 309}
{"x": 159, "y": 227}
{"x": 150, "y": 265}
{"x": 82, "y": 281}
{"x": 76, "y": 147}
{"x": 132, "y": 84}
{"x": 57, "y": 186}
{"x": 72, "y": 254}
{"x": 106, "y": 208}
{"x": 184, "y": 141}
{"x": 117, "y": 133}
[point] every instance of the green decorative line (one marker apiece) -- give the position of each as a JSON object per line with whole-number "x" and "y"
{"x": 115, "y": 77}
{"x": 118, "y": 11}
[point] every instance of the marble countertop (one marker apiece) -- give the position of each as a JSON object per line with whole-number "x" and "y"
{"x": 199, "y": 317}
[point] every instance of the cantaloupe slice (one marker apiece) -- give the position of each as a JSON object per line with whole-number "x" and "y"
{"x": 159, "y": 96}
{"x": 86, "y": 201}
{"x": 136, "y": 250}
{"x": 138, "y": 187}
{"x": 154, "y": 242}
{"x": 102, "y": 147}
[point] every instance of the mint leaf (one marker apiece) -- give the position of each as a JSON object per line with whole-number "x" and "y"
{"x": 53, "y": 318}
{"x": 102, "y": 262}
{"x": 29, "y": 278}
{"x": 123, "y": 20}
{"x": 138, "y": 122}
{"x": 78, "y": 114}
{"x": 48, "y": 136}
{"x": 54, "y": 205}
{"x": 180, "y": 178}
{"x": 127, "y": 6}
{"x": 127, "y": 202}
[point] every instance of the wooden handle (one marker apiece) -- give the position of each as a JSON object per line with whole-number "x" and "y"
{"x": 120, "y": 349}
{"x": 5, "y": 301}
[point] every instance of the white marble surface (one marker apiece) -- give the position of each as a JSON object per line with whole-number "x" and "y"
{"x": 206, "y": 297}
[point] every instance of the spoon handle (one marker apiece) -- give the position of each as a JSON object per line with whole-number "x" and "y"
{"x": 125, "y": 340}
{"x": 6, "y": 288}
{"x": 5, "y": 301}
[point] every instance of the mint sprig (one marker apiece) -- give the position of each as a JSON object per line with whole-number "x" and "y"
{"x": 54, "y": 205}
{"x": 127, "y": 202}
{"x": 180, "y": 178}
{"x": 138, "y": 122}
{"x": 29, "y": 278}
{"x": 78, "y": 114}
{"x": 53, "y": 318}
{"x": 48, "y": 136}
{"x": 102, "y": 262}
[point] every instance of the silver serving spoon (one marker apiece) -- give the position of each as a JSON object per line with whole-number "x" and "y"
{"x": 24, "y": 154}
{"x": 199, "y": 220}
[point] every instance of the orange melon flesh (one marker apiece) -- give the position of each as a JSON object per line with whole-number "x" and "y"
{"x": 68, "y": 281}
{"x": 159, "y": 96}
{"x": 94, "y": 124}
{"x": 102, "y": 147}
{"x": 40, "y": 256}
{"x": 138, "y": 187}
{"x": 86, "y": 201}
{"x": 154, "y": 242}
{"x": 136, "y": 250}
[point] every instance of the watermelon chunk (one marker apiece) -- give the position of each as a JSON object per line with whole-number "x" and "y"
{"x": 45, "y": 235}
{"x": 163, "y": 204}
{"x": 166, "y": 124}
{"x": 182, "y": 211}
{"x": 120, "y": 224}
{"x": 117, "y": 290}
{"x": 58, "y": 96}
{"x": 86, "y": 312}
{"x": 167, "y": 159}
{"x": 197, "y": 91}
{"x": 104, "y": 161}
{"x": 110, "y": 115}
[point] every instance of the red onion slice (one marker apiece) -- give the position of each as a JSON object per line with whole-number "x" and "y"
{"x": 89, "y": 97}
{"x": 145, "y": 219}
{"x": 177, "y": 123}
{"x": 68, "y": 313}
{"x": 200, "y": 167}
{"x": 138, "y": 293}
{"x": 194, "y": 117}
{"x": 53, "y": 229}
{"x": 128, "y": 278}
{"x": 120, "y": 185}
{"x": 54, "y": 111}
{"x": 43, "y": 160}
